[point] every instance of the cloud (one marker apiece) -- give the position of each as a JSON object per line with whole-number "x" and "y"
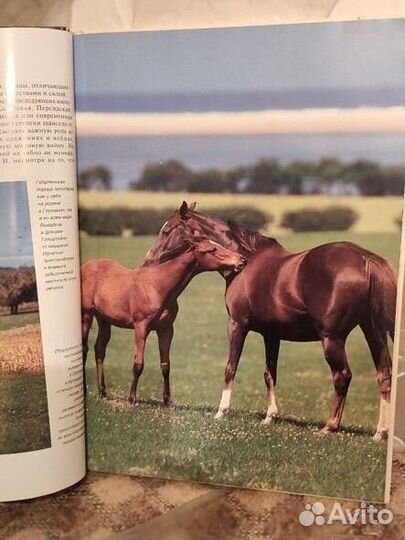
{"x": 268, "y": 122}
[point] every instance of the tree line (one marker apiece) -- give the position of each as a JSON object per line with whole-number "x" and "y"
{"x": 17, "y": 286}
{"x": 267, "y": 176}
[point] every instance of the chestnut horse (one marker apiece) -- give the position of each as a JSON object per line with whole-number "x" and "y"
{"x": 320, "y": 294}
{"x": 145, "y": 299}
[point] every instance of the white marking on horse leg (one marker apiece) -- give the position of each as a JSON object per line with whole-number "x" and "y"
{"x": 383, "y": 421}
{"x": 272, "y": 409}
{"x": 225, "y": 403}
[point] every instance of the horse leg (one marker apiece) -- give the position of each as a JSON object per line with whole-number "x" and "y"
{"x": 165, "y": 336}
{"x": 335, "y": 354}
{"x": 379, "y": 351}
{"x": 141, "y": 334}
{"x": 103, "y": 337}
{"x": 87, "y": 320}
{"x": 236, "y": 334}
{"x": 272, "y": 347}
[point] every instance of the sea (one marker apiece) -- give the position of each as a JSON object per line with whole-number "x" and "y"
{"x": 127, "y": 156}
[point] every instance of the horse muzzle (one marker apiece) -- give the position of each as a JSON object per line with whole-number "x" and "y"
{"x": 241, "y": 264}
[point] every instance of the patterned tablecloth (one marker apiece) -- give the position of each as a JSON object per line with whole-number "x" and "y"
{"x": 115, "y": 507}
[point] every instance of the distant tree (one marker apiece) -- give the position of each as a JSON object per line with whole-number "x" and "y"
{"x": 17, "y": 285}
{"x": 237, "y": 179}
{"x": 266, "y": 177}
{"x": 98, "y": 176}
{"x": 3, "y": 294}
{"x": 368, "y": 176}
{"x": 169, "y": 176}
{"x": 394, "y": 180}
{"x": 328, "y": 175}
{"x": 208, "y": 181}
{"x": 330, "y": 170}
{"x": 301, "y": 168}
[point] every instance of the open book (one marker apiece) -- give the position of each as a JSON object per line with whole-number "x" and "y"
{"x": 290, "y": 140}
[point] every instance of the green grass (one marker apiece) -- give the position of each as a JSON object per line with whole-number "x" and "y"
{"x": 15, "y": 321}
{"x": 23, "y": 414}
{"x": 185, "y": 442}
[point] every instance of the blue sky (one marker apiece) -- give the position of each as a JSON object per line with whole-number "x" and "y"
{"x": 292, "y": 57}
{"x": 16, "y": 238}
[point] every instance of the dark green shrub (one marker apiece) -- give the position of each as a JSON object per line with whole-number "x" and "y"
{"x": 142, "y": 221}
{"x": 100, "y": 222}
{"x": 332, "y": 218}
{"x": 247, "y": 216}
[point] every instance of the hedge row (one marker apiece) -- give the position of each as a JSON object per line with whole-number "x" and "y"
{"x": 332, "y": 218}
{"x": 113, "y": 221}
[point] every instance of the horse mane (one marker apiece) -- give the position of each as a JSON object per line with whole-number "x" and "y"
{"x": 249, "y": 240}
{"x": 169, "y": 255}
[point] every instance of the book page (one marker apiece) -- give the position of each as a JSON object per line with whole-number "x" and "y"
{"x": 292, "y": 147}
{"x": 398, "y": 420}
{"x": 42, "y": 445}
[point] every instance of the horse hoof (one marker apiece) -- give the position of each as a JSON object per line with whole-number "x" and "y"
{"x": 220, "y": 414}
{"x": 133, "y": 401}
{"x": 168, "y": 402}
{"x": 380, "y": 436}
{"x": 324, "y": 432}
{"x": 268, "y": 421}
{"x": 103, "y": 395}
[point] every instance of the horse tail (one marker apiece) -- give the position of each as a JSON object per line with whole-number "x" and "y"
{"x": 382, "y": 280}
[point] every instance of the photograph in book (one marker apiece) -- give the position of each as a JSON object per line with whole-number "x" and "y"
{"x": 23, "y": 398}
{"x": 266, "y": 164}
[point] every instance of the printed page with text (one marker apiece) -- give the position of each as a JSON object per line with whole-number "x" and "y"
{"x": 42, "y": 439}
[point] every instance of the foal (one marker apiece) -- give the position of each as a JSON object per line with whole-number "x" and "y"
{"x": 145, "y": 299}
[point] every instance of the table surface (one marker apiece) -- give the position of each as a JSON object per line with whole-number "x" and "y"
{"x": 113, "y": 507}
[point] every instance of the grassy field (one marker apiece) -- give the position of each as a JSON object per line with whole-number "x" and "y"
{"x": 23, "y": 399}
{"x": 16, "y": 321}
{"x": 184, "y": 442}
{"x": 375, "y": 213}
{"x": 23, "y": 414}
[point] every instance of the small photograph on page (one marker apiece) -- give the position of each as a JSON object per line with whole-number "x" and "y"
{"x": 23, "y": 398}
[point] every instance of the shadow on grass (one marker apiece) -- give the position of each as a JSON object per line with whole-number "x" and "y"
{"x": 237, "y": 413}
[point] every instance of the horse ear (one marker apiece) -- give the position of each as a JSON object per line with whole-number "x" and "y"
{"x": 183, "y": 209}
{"x": 192, "y": 206}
